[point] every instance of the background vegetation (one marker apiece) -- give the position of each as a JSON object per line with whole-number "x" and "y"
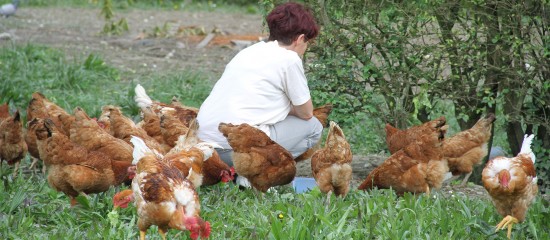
{"x": 405, "y": 62}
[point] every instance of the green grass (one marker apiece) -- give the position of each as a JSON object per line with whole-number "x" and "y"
{"x": 88, "y": 83}
{"x": 30, "y": 209}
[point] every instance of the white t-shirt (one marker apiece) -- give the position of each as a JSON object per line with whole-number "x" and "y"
{"x": 258, "y": 87}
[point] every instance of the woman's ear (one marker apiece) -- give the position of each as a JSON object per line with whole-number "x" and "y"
{"x": 301, "y": 38}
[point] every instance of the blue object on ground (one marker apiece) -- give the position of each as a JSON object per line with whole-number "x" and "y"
{"x": 303, "y": 184}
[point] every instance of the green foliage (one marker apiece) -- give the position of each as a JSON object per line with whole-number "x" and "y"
{"x": 33, "y": 68}
{"x": 32, "y": 210}
{"x": 542, "y": 165}
{"x": 413, "y": 55}
{"x": 407, "y": 62}
{"x": 112, "y": 27}
{"x": 115, "y": 28}
{"x": 107, "y": 9}
{"x": 89, "y": 83}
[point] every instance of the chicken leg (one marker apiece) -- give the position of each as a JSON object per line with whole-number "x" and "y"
{"x": 329, "y": 194}
{"x": 507, "y": 221}
{"x": 16, "y": 169}
{"x": 162, "y": 233}
{"x": 327, "y": 201}
{"x": 34, "y": 163}
{"x": 141, "y": 235}
{"x": 73, "y": 202}
{"x": 427, "y": 190}
{"x": 465, "y": 180}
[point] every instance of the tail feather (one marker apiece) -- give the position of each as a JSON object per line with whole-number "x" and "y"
{"x": 207, "y": 148}
{"x": 142, "y": 99}
{"x": 526, "y": 146}
{"x": 140, "y": 149}
{"x": 191, "y": 137}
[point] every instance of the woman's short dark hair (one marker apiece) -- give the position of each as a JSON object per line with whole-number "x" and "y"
{"x": 287, "y": 21}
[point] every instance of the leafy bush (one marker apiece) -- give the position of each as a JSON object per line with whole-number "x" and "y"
{"x": 542, "y": 165}
{"x": 406, "y": 62}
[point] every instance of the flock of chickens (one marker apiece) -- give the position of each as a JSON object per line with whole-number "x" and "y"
{"x": 164, "y": 161}
{"x": 422, "y": 159}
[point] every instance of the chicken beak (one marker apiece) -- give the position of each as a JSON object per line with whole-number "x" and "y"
{"x": 504, "y": 178}
{"x": 132, "y": 171}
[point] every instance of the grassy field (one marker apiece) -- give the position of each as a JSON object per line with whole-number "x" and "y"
{"x": 30, "y": 209}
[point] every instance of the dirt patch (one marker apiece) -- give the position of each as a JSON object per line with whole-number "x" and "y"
{"x": 76, "y": 32}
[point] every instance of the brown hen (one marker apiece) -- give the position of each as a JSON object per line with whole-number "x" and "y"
{"x": 124, "y": 128}
{"x": 40, "y": 107}
{"x": 185, "y": 114}
{"x": 416, "y": 168}
{"x": 258, "y": 158}
{"x": 467, "y": 149}
{"x": 215, "y": 171}
{"x": 398, "y": 139}
{"x": 171, "y": 129}
{"x": 13, "y": 147}
{"x": 72, "y": 168}
{"x": 87, "y": 133}
{"x": 331, "y": 165}
{"x": 151, "y": 125}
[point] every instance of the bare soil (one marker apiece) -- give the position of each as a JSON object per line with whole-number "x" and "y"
{"x": 76, "y": 32}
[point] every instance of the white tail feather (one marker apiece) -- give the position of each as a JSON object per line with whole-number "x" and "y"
{"x": 207, "y": 148}
{"x": 526, "y": 146}
{"x": 140, "y": 149}
{"x": 242, "y": 181}
{"x": 142, "y": 99}
{"x": 180, "y": 145}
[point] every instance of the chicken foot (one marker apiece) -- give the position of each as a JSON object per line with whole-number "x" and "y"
{"x": 141, "y": 235}
{"x": 162, "y": 233}
{"x": 507, "y": 221}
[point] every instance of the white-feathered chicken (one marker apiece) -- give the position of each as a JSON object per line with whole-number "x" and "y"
{"x": 164, "y": 197}
{"x": 512, "y": 184}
